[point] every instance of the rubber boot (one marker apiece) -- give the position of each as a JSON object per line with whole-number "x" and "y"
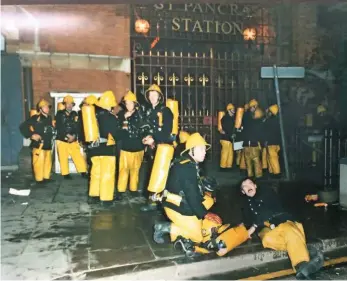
{"x": 40, "y": 184}
{"x": 150, "y": 206}
{"x": 307, "y": 268}
{"x": 48, "y": 180}
{"x": 119, "y": 197}
{"x": 134, "y": 194}
{"x": 107, "y": 204}
{"x": 159, "y": 230}
{"x": 67, "y": 177}
{"x": 84, "y": 175}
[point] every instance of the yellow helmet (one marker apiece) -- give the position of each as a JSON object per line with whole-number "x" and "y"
{"x": 230, "y": 106}
{"x": 258, "y": 113}
{"x": 253, "y": 103}
{"x": 273, "y": 109}
{"x": 33, "y": 112}
{"x": 195, "y": 140}
{"x": 60, "y": 106}
{"x": 130, "y": 96}
{"x": 183, "y": 136}
{"x": 68, "y": 99}
{"x": 156, "y": 88}
{"x": 321, "y": 109}
{"x": 90, "y": 100}
{"x": 246, "y": 106}
{"x": 42, "y": 103}
{"x": 107, "y": 100}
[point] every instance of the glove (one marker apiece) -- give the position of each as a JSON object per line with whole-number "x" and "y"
{"x": 214, "y": 218}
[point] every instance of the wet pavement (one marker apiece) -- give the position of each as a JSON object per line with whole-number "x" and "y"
{"x": 54, "y": 234}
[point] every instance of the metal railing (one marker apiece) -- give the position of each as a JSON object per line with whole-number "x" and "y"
{"x": 315, "y": 155}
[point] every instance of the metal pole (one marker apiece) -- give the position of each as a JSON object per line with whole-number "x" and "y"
{"x": 325, "y": 157}
{"x": 330, "y": 155}
{"x": 284, "y": 147}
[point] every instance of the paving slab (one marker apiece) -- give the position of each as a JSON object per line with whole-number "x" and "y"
{"x": 57, "y": 235}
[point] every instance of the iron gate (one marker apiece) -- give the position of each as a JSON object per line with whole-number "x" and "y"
{"x": 203, "y": 84}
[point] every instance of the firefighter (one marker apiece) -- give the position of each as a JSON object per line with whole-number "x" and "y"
{"x": 102, "y": 151}
{"x": 132, "y": 148}
{"x": 68, "y": 134}
{"x": 252, "y": 125}
{"x": 228, "y": 136}
{"x": 272, "y": 140}
{"x": 190, "y": 216}
{"x": 39, "y": 129}
{"x": 277, "y": 229}
{"x": 241, "y": 154}
{"x": 160, "y": 120}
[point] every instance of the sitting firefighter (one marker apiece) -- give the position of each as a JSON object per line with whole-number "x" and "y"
{"x": 160, "y": 120}
{"x": 39, "y": 129}
{"x": 264, "y": 215}
{"x": 227, "y": 137}
{"x": 102, "y": 151}
{"x": 192, "y": 225}
{"x": 68, "y": 133}
{"x": 132, "y": 148}
{"x": 272, "y": 140}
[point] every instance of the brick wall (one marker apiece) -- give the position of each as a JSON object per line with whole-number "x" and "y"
{"x": 78, "y": 80}
{"x": 77, "y": 29}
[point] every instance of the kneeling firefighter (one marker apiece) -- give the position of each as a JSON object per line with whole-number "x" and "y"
{"x": 192, "y": 225}
{"x": 132, "y": 148}
{"x": 101, "y": 128}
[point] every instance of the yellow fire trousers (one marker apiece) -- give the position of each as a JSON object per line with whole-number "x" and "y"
{"x": 253, "y": 162}
{"x": 189, "y": 227}
{"x": 264, "y": 159}
{"x": 129, "y": 163}
{"x": 289, "y": 237}
{"x": 238, "y": 157}
{"x": 102, "y": 177}
{"x": 227, "y": 154}
{"x": 272, "y": 159}
{"x": 242, "y": 160}
{"x": 73, "y": 149}
{"x": 42, "y": 164}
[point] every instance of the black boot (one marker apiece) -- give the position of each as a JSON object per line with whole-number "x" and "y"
{"x": 119, "y": 197}
{"x": 67, "y": 177}
{"x": 305, "y": 269}
{"x": 48, "y": 180}
{"x": 93, "y": 200}
{"x": 40, "y": 183}
{"x": 107, "y": 204}
{"x": 159, "y": 230}
{"x": 84, "y": 175}
{"x": 134, "y": 194}
{"x": 149, "y": 207}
